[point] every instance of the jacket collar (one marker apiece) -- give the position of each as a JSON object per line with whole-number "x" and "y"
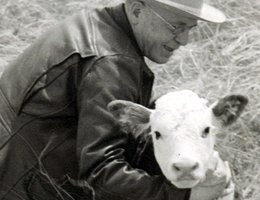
{"x": 118, "y": 13}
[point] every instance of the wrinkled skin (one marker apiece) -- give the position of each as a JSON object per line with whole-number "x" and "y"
{"x": 147, "y": 18}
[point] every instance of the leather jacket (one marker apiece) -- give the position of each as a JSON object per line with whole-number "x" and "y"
{"x": 57, "y": 139}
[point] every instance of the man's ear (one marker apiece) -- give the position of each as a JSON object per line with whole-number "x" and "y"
{"x": 132, "y": 117}
{"x": 228, "y": 109}
{"x": 134, "y": 10}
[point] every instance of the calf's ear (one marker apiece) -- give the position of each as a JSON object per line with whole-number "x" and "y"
{"x": 228, "y": 109}
{"x": 132, "y": 117}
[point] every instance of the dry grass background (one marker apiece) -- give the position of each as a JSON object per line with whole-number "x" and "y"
{"x": 221, "y": 59}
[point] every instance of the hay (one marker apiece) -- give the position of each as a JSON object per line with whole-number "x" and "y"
{"x": 224, "y": 59}
{"x": 221, "y": 59}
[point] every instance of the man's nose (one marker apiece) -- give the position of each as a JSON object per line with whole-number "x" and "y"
{"x": 183, "y": 37}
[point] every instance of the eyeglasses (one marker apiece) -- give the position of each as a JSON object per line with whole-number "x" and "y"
{"x": 174, "y": 29}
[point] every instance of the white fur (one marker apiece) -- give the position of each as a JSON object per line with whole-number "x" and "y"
{"x": 179, "y": 123}
{"x": 181, "y": 118}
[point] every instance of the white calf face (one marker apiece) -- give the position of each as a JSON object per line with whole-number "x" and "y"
{"x": 183, "y": 140}
{"x": 182, "y": 127}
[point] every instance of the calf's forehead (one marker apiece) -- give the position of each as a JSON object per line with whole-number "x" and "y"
{"x": 182, "y": 101}
{"x": 168, "y": 121}
{"x": 181, "y": 109}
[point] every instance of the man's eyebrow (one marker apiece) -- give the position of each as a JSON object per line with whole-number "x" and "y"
{"x": 185, "y": 24}
{"x": 193, "y": 25}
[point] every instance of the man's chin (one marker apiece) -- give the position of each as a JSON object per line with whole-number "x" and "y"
{"x": 185, "y": 183}
{"x": 163, "y": 59}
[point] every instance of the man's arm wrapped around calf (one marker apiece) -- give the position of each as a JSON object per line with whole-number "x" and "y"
{"x": 218, "y": 183}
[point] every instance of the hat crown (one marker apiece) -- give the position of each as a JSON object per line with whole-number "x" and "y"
{"x": 194, "y": 4}
{"x": 197, "y": 8}
{"x": 191, "y": 6}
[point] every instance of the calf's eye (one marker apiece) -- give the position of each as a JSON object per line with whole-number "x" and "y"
{"x": 157, "y": 135}
{"x": 205, "y": 132}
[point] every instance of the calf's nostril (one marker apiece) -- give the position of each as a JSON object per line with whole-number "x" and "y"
{"x": 185, "y": 167}
{"x": 196, "y": 166}
{"x": 176, "y": 168}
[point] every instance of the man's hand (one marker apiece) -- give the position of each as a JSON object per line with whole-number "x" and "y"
{"x": 217, "y": 184}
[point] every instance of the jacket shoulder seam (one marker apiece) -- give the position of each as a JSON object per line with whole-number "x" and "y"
{"x": 6, "y": 100}
{"x": 114, "y": 55}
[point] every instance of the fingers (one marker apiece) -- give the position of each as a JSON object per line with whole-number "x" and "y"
{"x": 224, "y": 173}
{"x": 219, "y": 174}
{"x": 228, "y": 172}
{"x": 222, "y": 169}
{"x": 214, "y": 161}
{"x": 228, "y": 193}
{"x": 230, "y": 189}
{"x": 217, "y": 184}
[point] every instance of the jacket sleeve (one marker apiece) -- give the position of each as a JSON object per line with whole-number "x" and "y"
{"x": 101, "y": 146}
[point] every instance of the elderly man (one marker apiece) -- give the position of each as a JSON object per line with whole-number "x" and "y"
{"x": 58, "y": 140}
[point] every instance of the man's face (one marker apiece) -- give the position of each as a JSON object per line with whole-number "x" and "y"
{"x": 163, "y": 31}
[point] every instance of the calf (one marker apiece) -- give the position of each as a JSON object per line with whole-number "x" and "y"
{"x": 183, "y": 129}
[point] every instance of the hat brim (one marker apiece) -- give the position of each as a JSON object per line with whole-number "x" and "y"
{"x": 211, "y": 14}
{"x": 207, "y": 13}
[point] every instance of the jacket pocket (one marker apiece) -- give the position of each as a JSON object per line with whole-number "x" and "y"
{"x": 40, "y": 186}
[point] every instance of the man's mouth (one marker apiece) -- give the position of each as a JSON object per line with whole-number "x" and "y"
{"x": 168, "y": 48}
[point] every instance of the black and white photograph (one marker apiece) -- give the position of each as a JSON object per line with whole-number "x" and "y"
{"x": 129, "y": 100}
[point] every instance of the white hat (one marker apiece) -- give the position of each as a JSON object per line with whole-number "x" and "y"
{"x": 197, "y": 8}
